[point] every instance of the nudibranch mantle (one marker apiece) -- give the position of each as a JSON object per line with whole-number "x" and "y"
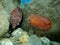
{"x": 39, "y": 22}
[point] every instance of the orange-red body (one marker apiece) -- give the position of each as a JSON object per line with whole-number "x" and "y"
{"x": 40, "y": 22}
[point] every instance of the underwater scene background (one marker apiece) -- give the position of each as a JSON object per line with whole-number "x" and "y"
{"x": 29, "y": 22}
{"x": 25, "y": 1}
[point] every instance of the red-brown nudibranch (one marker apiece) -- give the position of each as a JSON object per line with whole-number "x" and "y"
{"x": 16, "y": 17}
{"x": 39, "y": 22}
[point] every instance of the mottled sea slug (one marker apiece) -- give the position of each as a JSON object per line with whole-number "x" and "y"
{"x": 16, "y": 17}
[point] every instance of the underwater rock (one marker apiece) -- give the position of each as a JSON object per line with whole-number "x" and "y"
{"x": 21, "y": 36}
{"x": 4, "y": 20}
{"x": 54, "y": 43}
{"x": 35, "y": 40}
{"x": 42, "y": 41}
{"x": 16, "y": 17}
{"x": 4, "y": 25}
{"x": 8, "y": 5}
{"x": 18, "y": 32}
{"x": 45, "y": 41}
{"x": 39, "y": 22}
{"x": 39, "y": 40}
{"x": 46, "y": 8}
{"x": 6, "y": 42}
